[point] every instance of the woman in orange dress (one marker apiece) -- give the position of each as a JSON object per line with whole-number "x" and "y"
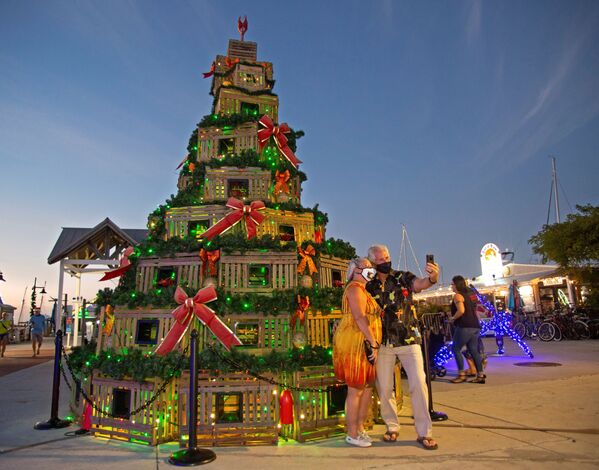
{"x": 361, "y": 321}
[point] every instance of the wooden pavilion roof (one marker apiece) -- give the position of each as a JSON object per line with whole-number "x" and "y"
{"x": 103, "y": 242}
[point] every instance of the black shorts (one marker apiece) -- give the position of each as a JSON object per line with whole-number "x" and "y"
{"x": 3, "y": 335}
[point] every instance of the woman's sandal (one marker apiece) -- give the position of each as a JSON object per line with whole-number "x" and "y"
{"x": 459, "y": 379}
{"x": 390, "y": 436}
{"x": 427, "y": 443}
{"x": 478, "y": 380}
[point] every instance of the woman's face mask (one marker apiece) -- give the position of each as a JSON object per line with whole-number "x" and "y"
{"x": 368, "y": 273}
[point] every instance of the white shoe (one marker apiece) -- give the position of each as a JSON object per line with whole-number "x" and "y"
{"x": 357, "y": 442}
{"x": 364, "y": 436}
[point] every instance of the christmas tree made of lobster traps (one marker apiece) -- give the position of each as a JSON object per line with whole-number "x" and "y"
{"x": 236, "y": 256}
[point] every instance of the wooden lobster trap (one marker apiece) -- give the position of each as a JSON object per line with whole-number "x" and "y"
{"x": 240, "y": 69}
{"x": 320, "y": 327}
{"x": 261, "y": 332}
{"x": 233, "y": 101}
{"x": 143, "y": 329}
{"x": 153, "y": 424}
{"x": 258, "y": 271}
{"x": 289, "y": 226}
{"x": 157, "y": 273}
{"x": 218, "y": 142}
{"x": 332, "y": 271}
{"x": 249, "y": 184}
{"x": 233, "y": 409}
{"x": 320, "y": 413}
{"x": 192, "y": 221}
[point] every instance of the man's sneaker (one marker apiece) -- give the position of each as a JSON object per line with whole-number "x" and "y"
{"x": 357, "y": 442}
{"x": 364, "y": 436}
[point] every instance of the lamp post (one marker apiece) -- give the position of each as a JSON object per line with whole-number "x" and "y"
{"x": 83, "y": 302}
{"x": 34, "y": 295}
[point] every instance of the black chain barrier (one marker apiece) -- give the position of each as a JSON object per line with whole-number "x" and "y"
{"x": 127, "y": 415}
{"x": 165, "y": 384}
{"x": 268, "y": 379}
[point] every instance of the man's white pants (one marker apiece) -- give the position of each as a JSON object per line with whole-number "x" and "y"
{"x": 411, "y": 360}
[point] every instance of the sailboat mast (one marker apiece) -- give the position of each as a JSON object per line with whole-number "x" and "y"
{"x": 557, "y": 214}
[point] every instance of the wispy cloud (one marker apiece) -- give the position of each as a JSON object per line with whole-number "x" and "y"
{"x": 69, "y": 143}
{"x": 473, "y": 23}
{"x": 563, "y": 103}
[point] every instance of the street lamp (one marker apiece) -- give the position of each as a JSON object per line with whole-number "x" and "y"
{"x": 34, "y": 294}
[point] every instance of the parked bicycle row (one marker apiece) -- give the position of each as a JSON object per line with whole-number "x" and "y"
{"x": 556, "y": 326}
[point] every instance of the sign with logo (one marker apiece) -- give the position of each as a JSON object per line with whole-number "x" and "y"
{"x": 248, "y": 333}
{"x": 553, "y": 281}
{"x": 490, "y": 262}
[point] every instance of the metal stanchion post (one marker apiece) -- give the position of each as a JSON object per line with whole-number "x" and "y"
{"x": 435, "y": 415}
{"x": 55, "y": 422}
{"x": 192, "y": 455}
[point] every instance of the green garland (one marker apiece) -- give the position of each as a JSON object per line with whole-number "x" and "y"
{"x": 192, "y": 144}
{"x": 223, "y": 120}
{"x": 245, "y": 91}
{"x": 139, "y": 365}
{"x": 333, "y": 247}
{"x": 134, "y": 363}
{"x": 228, "y": 242}
{"x": 324, "y": 299}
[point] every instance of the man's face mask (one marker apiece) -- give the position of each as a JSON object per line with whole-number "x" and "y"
{"x": 384, "y": 268}
{"x": 368, "y": 273}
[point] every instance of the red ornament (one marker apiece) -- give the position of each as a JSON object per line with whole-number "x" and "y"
{"x": 404, "y": 292}
{"x": 86, "y": 423}
{"x": 318, "y": 237}
{"x": 286, "y": 407}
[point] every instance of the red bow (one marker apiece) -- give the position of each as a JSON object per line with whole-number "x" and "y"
{"x": 124, "y": 266}
{"x": 250, "y": 213}
{"x": 209, "y": 259}
{"x": 231, "y": 62}
{"x": 182, "y": 162}
{"x": 211, "y": 72}
{"x": 184, "y": 313}
{"x": 278, "y": 132}
{"x": 281, "y": 185}
{"x": 306, "y": 260}
{"x": 300, "y": 312}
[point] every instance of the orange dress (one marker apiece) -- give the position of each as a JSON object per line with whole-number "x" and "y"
{"x": 349, "y": 359}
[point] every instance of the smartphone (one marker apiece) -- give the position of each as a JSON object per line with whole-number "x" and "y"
{"x": 430, "y": 259}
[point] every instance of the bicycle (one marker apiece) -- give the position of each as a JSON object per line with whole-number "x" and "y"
{"x": 569, "y": 326}
{"x": 539, "y": 328}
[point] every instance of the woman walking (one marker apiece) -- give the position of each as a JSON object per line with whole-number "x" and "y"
{"x": 359, "y": 331}
{"x": 467, "y": 329}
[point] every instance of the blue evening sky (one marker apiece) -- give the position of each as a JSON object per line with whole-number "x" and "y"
{"x": 440, "y": 115}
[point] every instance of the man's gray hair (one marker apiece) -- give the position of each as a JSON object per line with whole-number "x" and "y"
{"x": 373, "y": 249}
